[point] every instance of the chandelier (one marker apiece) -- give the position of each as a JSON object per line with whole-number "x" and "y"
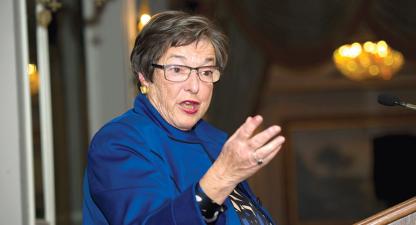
{"x": 367, "y": 61}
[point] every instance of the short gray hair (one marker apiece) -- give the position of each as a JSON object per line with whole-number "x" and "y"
{"x": 173, "y": 29}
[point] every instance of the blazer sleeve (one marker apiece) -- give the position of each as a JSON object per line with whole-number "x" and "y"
{"x": 131, "y": 184}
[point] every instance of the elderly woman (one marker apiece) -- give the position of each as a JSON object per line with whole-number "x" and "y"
{"x": 160, "y": 163}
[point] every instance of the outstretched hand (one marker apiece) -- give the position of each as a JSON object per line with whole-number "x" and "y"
{"x": 243, "y": 155}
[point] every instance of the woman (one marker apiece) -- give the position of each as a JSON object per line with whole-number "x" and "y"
{"x": 160, "y": 163}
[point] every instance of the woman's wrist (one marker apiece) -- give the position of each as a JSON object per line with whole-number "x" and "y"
{"x": 214, "y": 186}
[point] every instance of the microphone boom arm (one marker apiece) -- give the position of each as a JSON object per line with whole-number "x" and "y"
{"x": 410, "y": 106}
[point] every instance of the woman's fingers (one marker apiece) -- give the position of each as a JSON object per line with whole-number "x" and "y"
{"x": 247, "y": 129}
{"x": 244, "y": 154}
{"x": 270, "y": 148}
{"x": 263, "y": 137}
{"x": 244, "y": 148}
{"x": 271, "y": 155}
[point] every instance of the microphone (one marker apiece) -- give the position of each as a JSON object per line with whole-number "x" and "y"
{"x": 391, "y": 100}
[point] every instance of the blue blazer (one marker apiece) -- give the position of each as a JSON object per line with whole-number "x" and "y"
{"x": 142, "y": 170}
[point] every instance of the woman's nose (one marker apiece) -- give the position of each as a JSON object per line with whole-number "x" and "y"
{"x": 192, "y": 83}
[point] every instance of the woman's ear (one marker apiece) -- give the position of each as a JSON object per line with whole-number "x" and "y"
{"x": 142, "y": 79}
{"x": 144, "y": 85}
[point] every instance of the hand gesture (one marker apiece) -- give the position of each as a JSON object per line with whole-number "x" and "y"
{"x": 243, "y": 154}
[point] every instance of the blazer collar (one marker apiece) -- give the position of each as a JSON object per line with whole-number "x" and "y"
{"x": 142, "y": 104}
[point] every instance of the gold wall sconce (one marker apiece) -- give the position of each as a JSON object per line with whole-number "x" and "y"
{"x": 33, "y": 79}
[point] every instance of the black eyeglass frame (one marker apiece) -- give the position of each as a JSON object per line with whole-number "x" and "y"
{"x": 163, "y": 67}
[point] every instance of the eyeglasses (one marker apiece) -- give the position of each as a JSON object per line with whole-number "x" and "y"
{"x": 178, "y": 73}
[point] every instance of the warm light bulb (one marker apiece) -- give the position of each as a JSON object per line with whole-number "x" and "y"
{"x": 144, "y": 19}
{"x": 355, "y": 50}
{"x": 144, "y": 13}
{"x": 369, "y": 47}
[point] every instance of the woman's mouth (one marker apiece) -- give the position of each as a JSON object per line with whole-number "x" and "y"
{"x": 190, "y": 106}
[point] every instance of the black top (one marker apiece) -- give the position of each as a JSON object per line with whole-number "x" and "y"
{"x": 249, "y": 214}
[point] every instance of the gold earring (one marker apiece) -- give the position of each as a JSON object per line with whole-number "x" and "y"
{"x": 144, "y": 89}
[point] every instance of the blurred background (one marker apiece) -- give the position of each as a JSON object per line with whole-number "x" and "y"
{"x": 315, "y": 67}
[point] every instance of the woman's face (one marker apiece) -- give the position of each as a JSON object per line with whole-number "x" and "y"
{"x": 183, "y": 103}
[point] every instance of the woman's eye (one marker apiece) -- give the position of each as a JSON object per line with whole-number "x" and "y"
{"x": 207, "y": 73}
{"x": 176, "y": 69}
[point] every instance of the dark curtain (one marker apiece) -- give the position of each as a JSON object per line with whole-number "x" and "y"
{"x": 306, "y": 32}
